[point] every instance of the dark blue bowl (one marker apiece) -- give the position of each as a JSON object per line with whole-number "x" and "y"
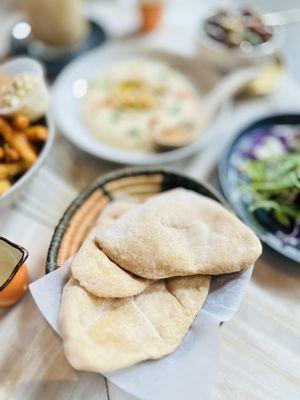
{"x": 262, "y": 223}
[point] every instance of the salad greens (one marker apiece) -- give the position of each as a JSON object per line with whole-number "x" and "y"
{"x": 273, "y": 181}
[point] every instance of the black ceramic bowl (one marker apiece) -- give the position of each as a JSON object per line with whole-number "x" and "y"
{"x": 262, "y": 223}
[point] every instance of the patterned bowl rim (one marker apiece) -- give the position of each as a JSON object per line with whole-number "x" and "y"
{"x": 188, "y": 182}
{"x": 228, "y": 189}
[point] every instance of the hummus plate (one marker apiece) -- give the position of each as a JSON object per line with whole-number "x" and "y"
{"x": 125, "y": 140}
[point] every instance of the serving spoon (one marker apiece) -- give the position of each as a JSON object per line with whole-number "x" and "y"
{"x": 185, "y": 133}
{"x": 280, "y": 18}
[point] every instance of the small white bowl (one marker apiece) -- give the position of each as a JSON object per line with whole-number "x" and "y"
{"x": 226, "y": 59}
{"x": 17, "y": 66}
{"x": 21, "y": 65}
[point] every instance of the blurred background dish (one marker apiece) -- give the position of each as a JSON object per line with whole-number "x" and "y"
{"x": 35, "y": 36}
{"x": 53, "y": 59}
{"x": 269, "y": 78}
{"x": 235, "y": 37}
{"x": 23, "y": 89}
{"x": 151, "y": 12}
{"x": 137, "y": 103}
{"x": 243, "y": 29}
{"x": 66, "y": 16}
{"x": 260, "y": 177}
{"x": 72, "y": 84}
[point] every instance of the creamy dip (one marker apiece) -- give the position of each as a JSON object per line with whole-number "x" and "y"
{"x": 125, "y": 105}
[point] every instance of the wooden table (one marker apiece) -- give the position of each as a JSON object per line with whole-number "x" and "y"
{"x": 260, "y": 347}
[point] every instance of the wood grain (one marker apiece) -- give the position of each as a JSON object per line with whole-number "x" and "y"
{"x": 260, "y": 347}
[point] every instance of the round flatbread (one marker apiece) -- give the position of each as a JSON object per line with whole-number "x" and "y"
{"x": 179, "y": 232}
{"x": 95, "y": 271}
{"x": 102, "y": 335}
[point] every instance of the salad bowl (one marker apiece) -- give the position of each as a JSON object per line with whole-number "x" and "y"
{"x": 260, "y": 177}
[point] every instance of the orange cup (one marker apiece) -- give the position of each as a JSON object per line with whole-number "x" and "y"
{"x": 151, "y": 15}
{"x": 13, "y": 273}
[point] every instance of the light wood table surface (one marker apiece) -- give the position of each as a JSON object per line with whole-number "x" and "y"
{"x": 260, "y": 347}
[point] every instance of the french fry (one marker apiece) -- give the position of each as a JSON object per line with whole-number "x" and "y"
{"x": 36, "y": 133}
{"x": 20, "y": 122}
{"x": 10, "y": 154}
{"x": 11, "y": 169}
{"x": 20, "y": 145}
{"x": 23, "y": 147}
{"x": 5, "y": 130}
{"x": 4, "y": 185}
{"x": 17, "y": 141}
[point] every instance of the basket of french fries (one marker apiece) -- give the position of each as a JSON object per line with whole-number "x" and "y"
{"x": 25, "y": 130}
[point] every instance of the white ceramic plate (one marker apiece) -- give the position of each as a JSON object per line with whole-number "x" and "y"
{"x": 65, "y": 106}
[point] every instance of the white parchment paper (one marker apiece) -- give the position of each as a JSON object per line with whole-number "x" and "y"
{"x": 189, "y": 372}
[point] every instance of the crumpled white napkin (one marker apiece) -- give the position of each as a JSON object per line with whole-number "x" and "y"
{"x": 189, "y": 372}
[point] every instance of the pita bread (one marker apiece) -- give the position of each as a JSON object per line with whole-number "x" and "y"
{"x": 102, "y": 335}
{"x": 113, "y": 210}
{"x": 96, "y": 272}
{"x": 179, "y": 232}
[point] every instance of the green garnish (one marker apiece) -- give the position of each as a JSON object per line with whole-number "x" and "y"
{"x": 101, "y": 84}
{"x": 115, "y": 115}
{"x": 175, "y": 109}
{"x": 274, "y": 184}
{"x": 133, "y": 132}
{"x": 163, "y": 74}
